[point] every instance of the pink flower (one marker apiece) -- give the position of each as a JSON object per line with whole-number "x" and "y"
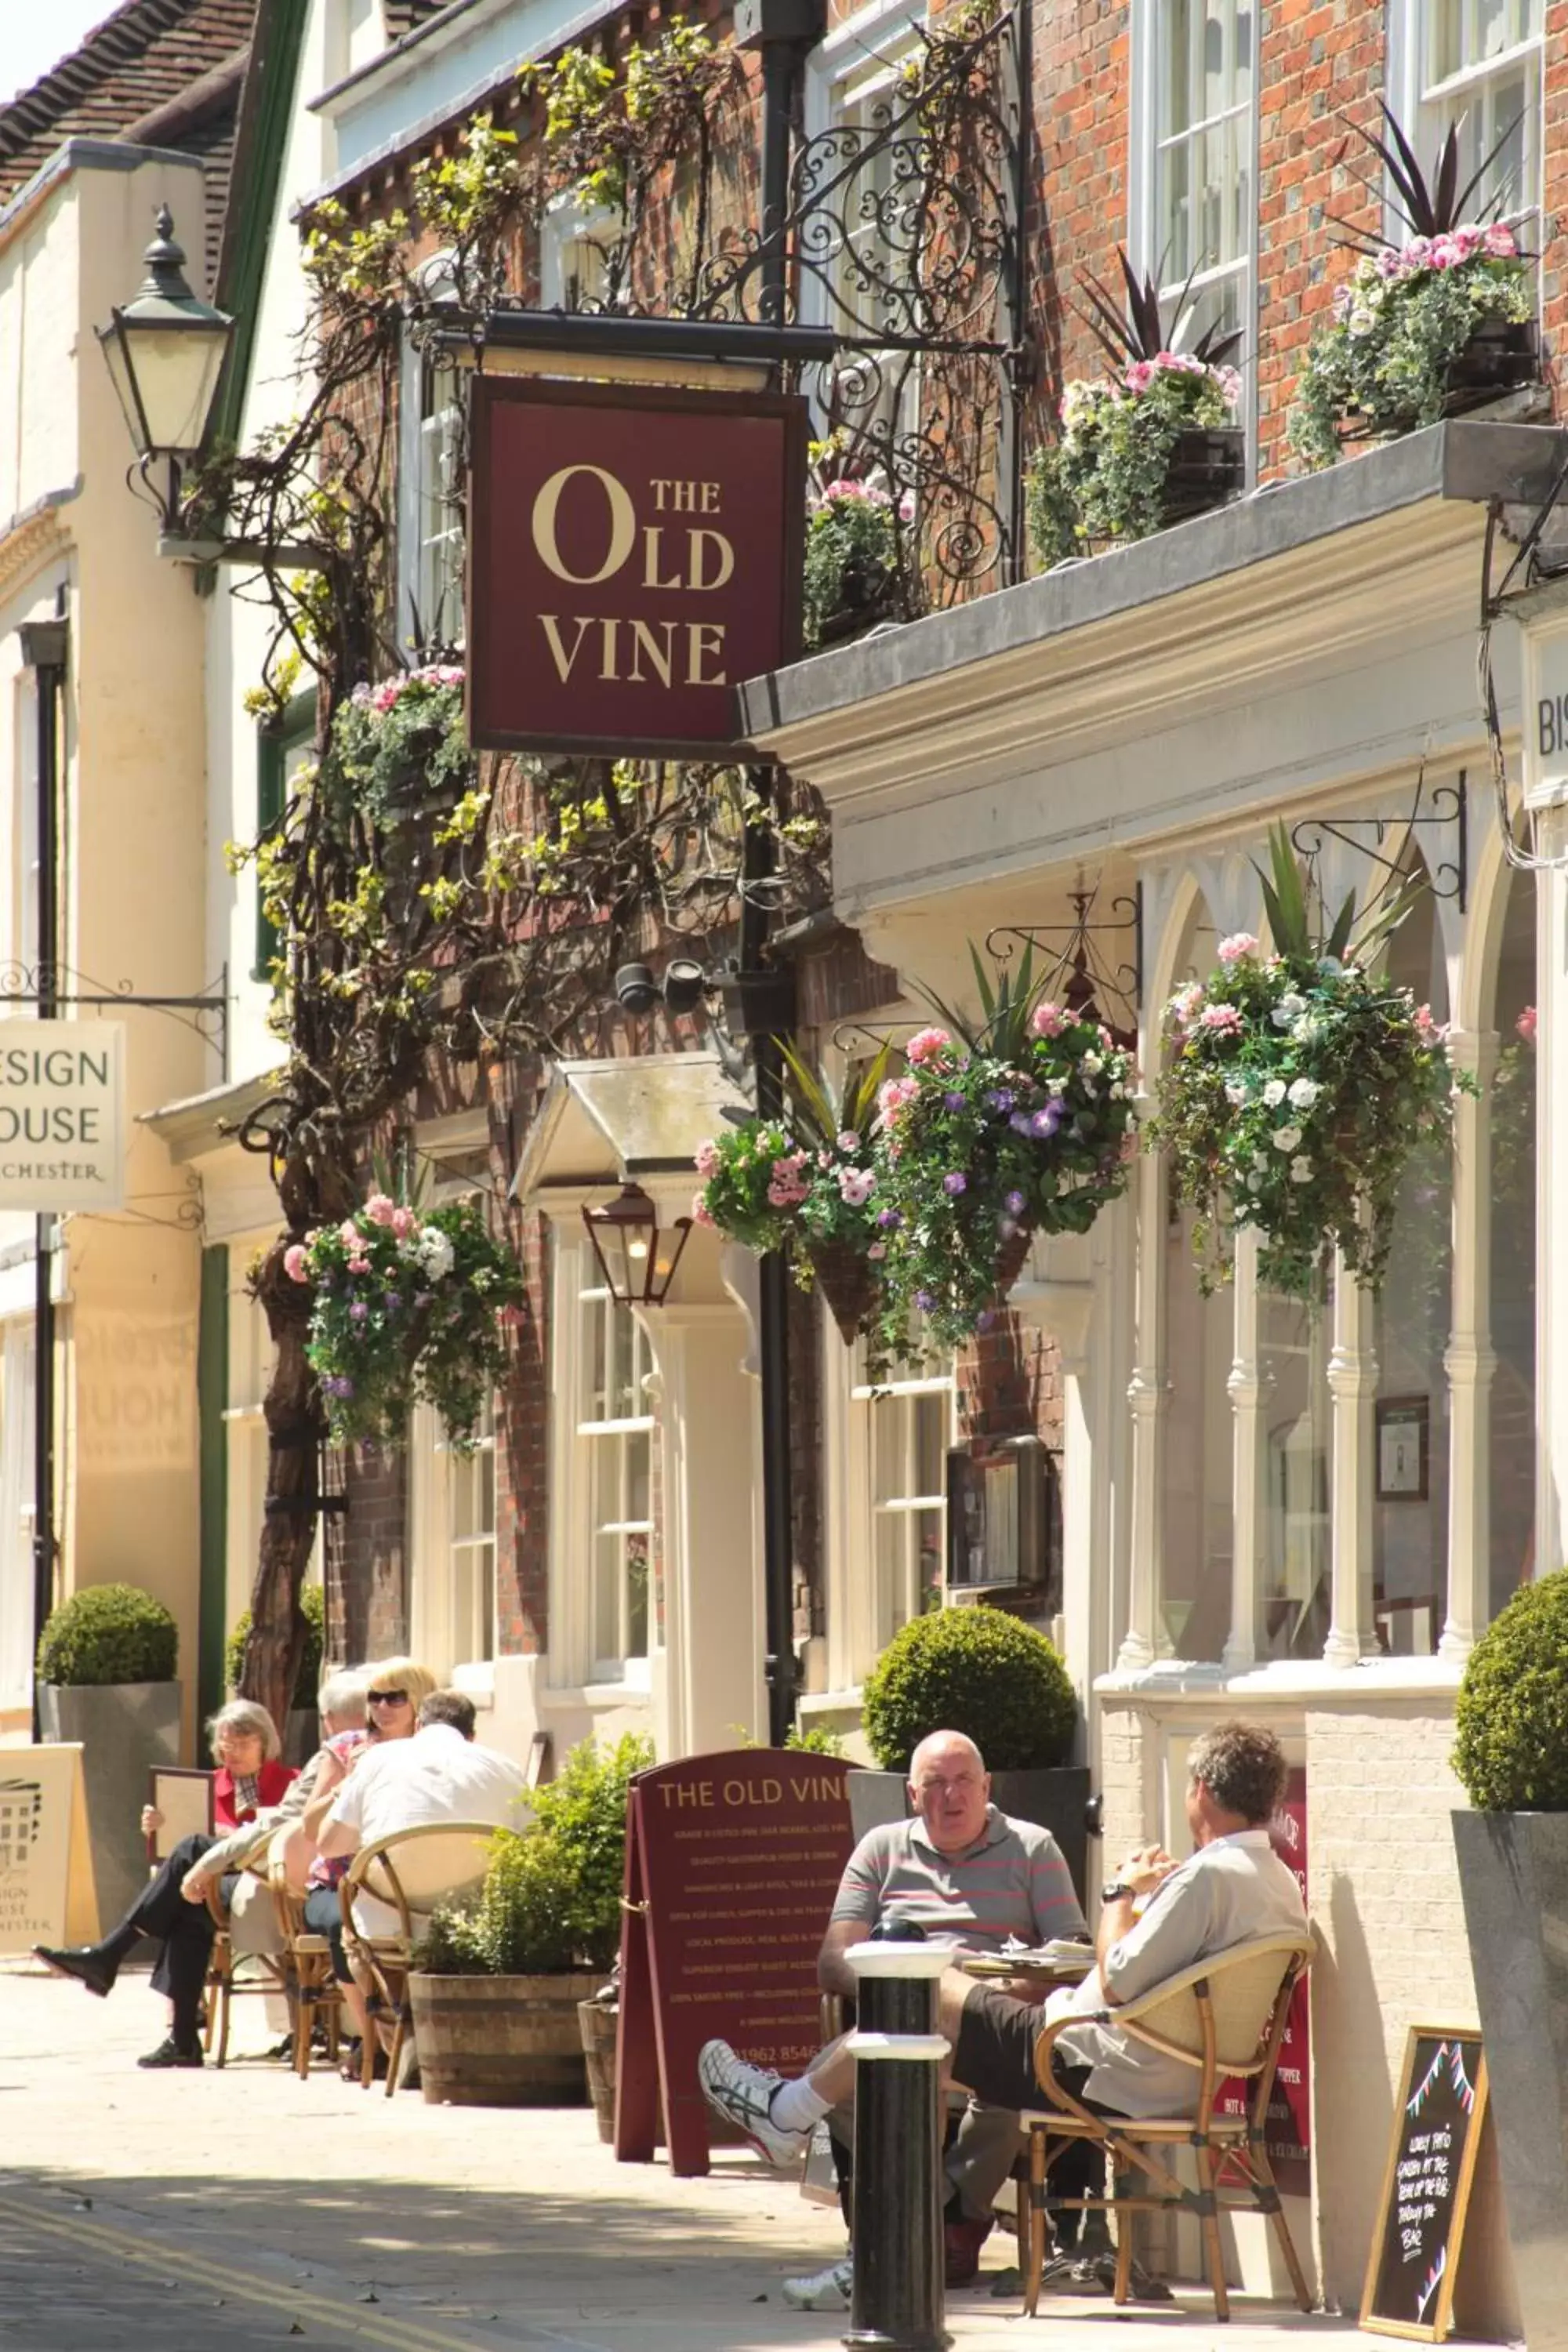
{"x": 1466, "y": 243}
{"x": 926, "y": 1045}
{"x": 1499, "y": 241}
{"x": 892, "y": 1096}
{"x": 1049, "y": 1020}
{"x": 404, "y": 1223}
{"x": 1182, "y": 1008}
{"x": 1138, "y": 375}
{"x": 856, "y": 1186}
{"x": 1525, "y": 1025}
{"x": 359, "y": 1265}
{"x": 878, "y": 1250}
{"x": 1239, "y": 944}
{"x": 1224, "y": 1020}
{"x": 350, "y": 1234}
{"x": 1444, "y": 252}
{"x": 707, "y": 1156}
{"x": 701, "y": 1214}
{"x": 1418, "y": 254}
{"x": 380, "y": 1210}
{"x": 848, "y": 1141}
{"x": 296, "y": 1264}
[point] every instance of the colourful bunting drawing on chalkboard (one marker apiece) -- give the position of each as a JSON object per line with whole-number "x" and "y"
{"x": 1418, "y": 2100}
{"x": 1433, "y": 2276}
{"x": 1464, "y": 2088}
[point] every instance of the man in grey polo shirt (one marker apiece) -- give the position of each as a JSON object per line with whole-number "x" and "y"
{"x": 961, "y": 1868}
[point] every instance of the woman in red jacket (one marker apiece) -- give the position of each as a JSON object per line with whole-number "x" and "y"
{"x": 250, "y": 1776}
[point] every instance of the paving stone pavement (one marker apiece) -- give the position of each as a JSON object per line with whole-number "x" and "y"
{"x": 285, "y": 2211}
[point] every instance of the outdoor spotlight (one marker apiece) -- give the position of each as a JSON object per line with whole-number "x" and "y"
{"x": 636, "y": 988}
{"x": 685, "y": 983}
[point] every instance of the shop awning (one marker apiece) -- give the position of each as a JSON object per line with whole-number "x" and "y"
{"x": 624, "y": 1121}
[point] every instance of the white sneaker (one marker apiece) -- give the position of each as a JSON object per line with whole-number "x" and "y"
{"x": 743, "y": 2095}
{"x": 826, "y": 2290}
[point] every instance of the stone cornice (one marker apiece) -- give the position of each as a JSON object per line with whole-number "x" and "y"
{"x": 34, "y": 538}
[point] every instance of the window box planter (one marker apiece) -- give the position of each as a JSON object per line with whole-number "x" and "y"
{"x": 1501, "y": 355}
{"x": 1207, "y": 467}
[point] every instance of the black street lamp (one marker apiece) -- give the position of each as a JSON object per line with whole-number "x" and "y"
{"x": 636, "y": 1257}
{"x": 165, "y": 352}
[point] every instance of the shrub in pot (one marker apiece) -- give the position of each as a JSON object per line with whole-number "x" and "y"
{"x": 300, "y": 1740}
{"x": 106, "y": 1666}
{"x": 1511, "y": 1755}
{"x": 979, "y": 1671}
{"x": 496, "y": 1995}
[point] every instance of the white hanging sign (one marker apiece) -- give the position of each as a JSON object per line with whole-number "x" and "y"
{"x": 1544, "y": 641}
{"x": 62, "y": 1115}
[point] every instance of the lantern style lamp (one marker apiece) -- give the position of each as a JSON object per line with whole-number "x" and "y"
{"x": 165, "y": 352}
{"x": 636, "y": 1257}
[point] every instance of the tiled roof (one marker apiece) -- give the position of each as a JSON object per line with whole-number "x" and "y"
{"x": 400, "y": 17}
{"x": 167, "y": 72}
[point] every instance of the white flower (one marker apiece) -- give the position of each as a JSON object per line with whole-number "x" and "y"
{"x": 1118, "y": 1091}
{"x": 435, "y": 1253}
{"x": 1307, "y": 1027}
{"x": 1274, "y": 1093}
{"x": 1255, "y": 1183}
{"x": 1092, "y": 1064}
{"x": 1236, "y": 1090}
{"x": 1331, "y": 967}
{"x": 1304, "y": 1093}
{"x": 1057, "y": 1087}
{"x": 1300, "y": 1171}
{"x": 1260, "y": 1162}
{"x": 1288, "y": 1008}
{"x": 1286, "y": 1138}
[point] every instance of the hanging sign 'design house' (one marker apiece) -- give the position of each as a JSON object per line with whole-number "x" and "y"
{"x": 635, "y": 553}
{"x": 62, "y": 1124}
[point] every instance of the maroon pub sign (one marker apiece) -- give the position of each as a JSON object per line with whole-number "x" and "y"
{"x": 637, "y": 553}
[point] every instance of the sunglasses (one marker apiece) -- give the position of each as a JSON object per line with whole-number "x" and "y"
{"x": 386, "y": 1698}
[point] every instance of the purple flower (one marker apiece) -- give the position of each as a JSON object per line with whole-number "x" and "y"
{"x": 985, "y": 1319}
{"x": 1003, "y": 1100}
{"x": 336, "y": 1386}
{"x": 890, "y": 1220}
{"x": 953, "y": 1184}
{"x": 1019, "y": 1123}
{"x": 1045, "y": 1122}
{"x": 1016, "y": 1203}
{"x": 953, "y": 1100}
{"x": 358, "y": 1311}
{"x": 394, "y": 1299}
{"x": 925, "y": 1300}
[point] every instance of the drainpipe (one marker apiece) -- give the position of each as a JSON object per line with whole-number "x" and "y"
{"x": 45, "y": 648}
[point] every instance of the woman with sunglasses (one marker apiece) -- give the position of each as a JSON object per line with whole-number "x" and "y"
{"x": 394, "y": 1690}
{"x": 249, "y": 1779}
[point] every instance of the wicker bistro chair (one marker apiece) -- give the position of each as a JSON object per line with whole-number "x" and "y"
{"x": 314, "y": 1994}
{"x": 232, "y": 1972}
{"x": 410, "y": 1873}
{"x": 1223, "y": 2018}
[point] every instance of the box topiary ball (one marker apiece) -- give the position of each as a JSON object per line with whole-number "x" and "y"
{"x": 1511, "y": 1752}
{"x": 977, "y": 1671}
{"x": 308, "y": 1681}
{"x": 108, "y": 1633}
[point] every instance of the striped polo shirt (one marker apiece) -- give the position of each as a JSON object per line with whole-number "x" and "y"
{"x": 1012, "y": 1881}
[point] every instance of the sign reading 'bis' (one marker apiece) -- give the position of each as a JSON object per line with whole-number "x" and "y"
{"x": 62, "y": 1143}
{"x": 637, "y": 553}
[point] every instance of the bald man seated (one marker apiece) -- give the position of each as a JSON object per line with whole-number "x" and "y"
{"x": 957, "y": 1867}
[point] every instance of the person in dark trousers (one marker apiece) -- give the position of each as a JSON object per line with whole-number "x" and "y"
{"x": 249, "y": 1777}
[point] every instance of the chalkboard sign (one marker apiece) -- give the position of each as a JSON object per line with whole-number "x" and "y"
{"x": 732, "y": 1863}
{"x": 1437, "y": 2138}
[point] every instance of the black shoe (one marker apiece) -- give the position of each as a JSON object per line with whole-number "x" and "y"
{"x": 169, "y": 2053}
{"x": 1101, "y": 2270}
{"x": 88, "y": 1963}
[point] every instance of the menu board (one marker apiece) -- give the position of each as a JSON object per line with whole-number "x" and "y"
{"x": 732, "y": 1863}
{"x": 1427, "y": 2188}
{"x": 1288, "y": 2127}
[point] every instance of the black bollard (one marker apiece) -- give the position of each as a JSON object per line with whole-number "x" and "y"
{"x": 896, "y": 2299}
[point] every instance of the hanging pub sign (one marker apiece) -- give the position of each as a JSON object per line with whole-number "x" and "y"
{"x": 636, "y": 553}
{"x": 62, "y": 1115}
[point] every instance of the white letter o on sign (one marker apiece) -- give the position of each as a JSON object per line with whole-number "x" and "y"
{"x": 623, "y": 525}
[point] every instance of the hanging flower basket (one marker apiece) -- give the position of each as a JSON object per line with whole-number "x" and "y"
{"x": 401, "y": 746}
{"x": 810, "y": 1180}
{"x": 406, "y": 1308}
{"x": 1296, "y": 1088}
{"x": 1016, "y": 1124}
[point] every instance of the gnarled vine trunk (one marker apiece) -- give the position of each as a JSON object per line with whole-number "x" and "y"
{"x": 296, "y": 1427}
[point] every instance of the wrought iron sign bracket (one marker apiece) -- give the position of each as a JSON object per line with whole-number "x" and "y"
{"x": 1447, "y": 810}
{"x": 1070, "y": 944}
{"x": 206, "y": 1014}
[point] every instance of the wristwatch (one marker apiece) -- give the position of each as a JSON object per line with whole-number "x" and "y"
{"x": 1114, "y": 1890}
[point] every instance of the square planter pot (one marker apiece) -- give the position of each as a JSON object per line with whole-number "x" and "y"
{"x": 1513, "y": 1874}
{"x": 1503, "y": 355}
{"x": 124, "y": 1729}
{"x": 1209, "y": 466}
{"x": 1057, "y": 1801}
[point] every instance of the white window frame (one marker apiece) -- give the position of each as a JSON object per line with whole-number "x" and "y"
{"x": 573, "y": 1436}
{"x": 1431, "y": 106}
{"x": 430, "y": 551}
{"x": 849, "y": 1461}
{"x": 862, "y": 55}
{"x": 449, "y": 1623}
{"x": 567, "y": 229}
{"x": 1145, "y": 243}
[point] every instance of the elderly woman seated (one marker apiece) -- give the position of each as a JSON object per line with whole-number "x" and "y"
{"x": 249, "y": 1778}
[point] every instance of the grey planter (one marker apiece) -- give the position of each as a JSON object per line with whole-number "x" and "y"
{"x": 1513, "y": 1873}
{"x": 124, "y": 1729}
{"x": 1058, "y": 1801}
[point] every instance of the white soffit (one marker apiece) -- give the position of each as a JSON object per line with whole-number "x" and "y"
{"x": 614, "y": 1121}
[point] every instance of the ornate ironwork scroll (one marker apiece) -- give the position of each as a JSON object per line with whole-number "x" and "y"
{"x": 1446, "y": 808}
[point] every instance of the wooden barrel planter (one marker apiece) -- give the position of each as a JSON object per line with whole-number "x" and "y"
{"x": 500, "y": 2042}
{"x": 598, "y": 2022}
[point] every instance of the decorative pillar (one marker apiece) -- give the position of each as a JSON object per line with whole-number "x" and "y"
{"x": 1469, "y": 1361}
{"x": 1353, "y": 1386}
{"x": 1147, "y": 1394}
{"x": 1250, "y": 1530}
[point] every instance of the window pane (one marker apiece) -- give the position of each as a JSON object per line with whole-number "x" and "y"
{"x": 636, "y": 1505}
{"x": 1512, "y": 1104}
{"x": 624, "y": 1403}
{"x": 608, "y": 1564}
{"x": 931, "y": 1444}
{"x": 1194, "y": 1600}
{"x": 894, "y": 1595}
{"x": 637, "y": 1562}
{"x": 595, "y": 1336}
{"x": 1293, "y": 1347}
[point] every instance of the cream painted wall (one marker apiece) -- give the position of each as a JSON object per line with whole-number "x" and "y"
{"x": 39, "y": 328}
